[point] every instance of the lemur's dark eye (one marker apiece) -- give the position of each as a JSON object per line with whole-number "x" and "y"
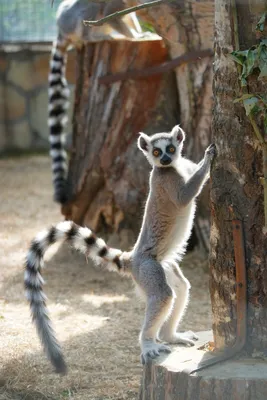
{"x": 157, "y": 152}
{"x": 171, "y": 149}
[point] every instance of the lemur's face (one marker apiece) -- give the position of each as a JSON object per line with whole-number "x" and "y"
{"x": 162, "y": 149}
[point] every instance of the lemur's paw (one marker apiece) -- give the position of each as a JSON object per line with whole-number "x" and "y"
{"x": 187, "y": 338}
{"x": 151, "y": 350}
{"x": 211, "y": 150}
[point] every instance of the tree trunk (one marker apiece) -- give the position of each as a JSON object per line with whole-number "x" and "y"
{"x": 236, "y": 202}
{"x": 109, "y": 175}
{"x": 111, "y": 195}
{"x": 187, "y": 26}
{"x": 236, "y": 189}
{"x": 232, "y": 380}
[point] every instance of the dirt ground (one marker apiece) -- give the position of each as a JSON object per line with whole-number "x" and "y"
{"x": 95, "y": 314}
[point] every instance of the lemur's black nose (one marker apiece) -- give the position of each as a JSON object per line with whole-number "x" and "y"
{"x": 165, "y": 160}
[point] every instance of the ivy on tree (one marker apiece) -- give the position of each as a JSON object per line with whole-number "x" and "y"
{"x": 254, "y": 62}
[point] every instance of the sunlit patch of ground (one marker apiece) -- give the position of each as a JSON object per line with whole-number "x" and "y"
{"x": 96, "y": 314}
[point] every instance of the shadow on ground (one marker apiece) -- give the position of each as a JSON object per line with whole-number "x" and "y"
{"x": 96, "y": 322}
{"x": 95, "y": 313}
{"x": 97, "y": 318}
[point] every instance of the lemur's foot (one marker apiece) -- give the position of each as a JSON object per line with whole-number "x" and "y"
{"x": 187, "y": 338}
{"x": 151, "y": 350}
{"x": 211, "y": 151}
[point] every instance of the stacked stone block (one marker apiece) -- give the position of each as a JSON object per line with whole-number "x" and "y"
{"x": 24, "y": 97}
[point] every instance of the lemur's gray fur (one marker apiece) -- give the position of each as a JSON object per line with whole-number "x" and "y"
{"x": 71, "y": 31}
{"x": 175, "y": 182}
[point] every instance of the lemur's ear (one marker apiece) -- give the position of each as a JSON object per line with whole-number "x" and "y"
{"x": 178, "y": 134}
{"x": 143, "y": 142}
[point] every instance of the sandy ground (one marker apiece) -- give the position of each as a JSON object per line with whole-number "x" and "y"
{"x": 96, "y": 314}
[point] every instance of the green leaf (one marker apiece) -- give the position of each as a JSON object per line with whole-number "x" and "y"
{"x": 251, "y": 60}
{"x": 263, "y": 72}
{"x": 263, "y": 60}
{"x": 265, "y": 123}
{"x": 250, "y": 104}
{"x": 243, "y": 82}
{"x": 257, "y": 109}
{"x": 236, "y": 58}
{"x": 244, "y": 75}
{"x": 239, "y": 56}
{"x": 260, "y": 24}
{"x": 243, "y": 53}
{"x": 146, "y": 26}
{"x": 244, "y": 97}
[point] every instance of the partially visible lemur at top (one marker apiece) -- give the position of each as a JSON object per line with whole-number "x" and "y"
{"x": 168, "y": 219}
{"x": 71, "y": 31}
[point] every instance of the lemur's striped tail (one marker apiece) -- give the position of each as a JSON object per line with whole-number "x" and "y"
{"x": 58, "y": 94}
{"x": 82, "y": 239}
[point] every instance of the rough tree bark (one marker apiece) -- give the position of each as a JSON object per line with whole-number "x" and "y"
{"x": 236, "y": 194}
{"x": 187, "y": 26}
{"x": 109, "y": 175}
{"x": 236, "y": 188}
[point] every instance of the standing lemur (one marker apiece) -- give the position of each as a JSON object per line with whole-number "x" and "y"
{"x": 71, "y": 31}
{"x": 175, "y": 182}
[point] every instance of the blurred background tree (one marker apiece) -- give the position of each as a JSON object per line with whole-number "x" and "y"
{"x": 108, "y": 176}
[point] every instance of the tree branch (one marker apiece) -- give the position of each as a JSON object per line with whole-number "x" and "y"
{"x": 191, "y": 56}
{"x": 129, "y": 10}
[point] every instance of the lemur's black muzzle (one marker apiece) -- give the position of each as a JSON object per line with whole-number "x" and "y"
{"x": 165, "y": 160}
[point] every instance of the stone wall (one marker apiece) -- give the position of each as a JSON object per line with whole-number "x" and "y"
{"x": 24, "y": 96}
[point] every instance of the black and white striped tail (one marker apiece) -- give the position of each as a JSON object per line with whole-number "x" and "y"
{"x": 58, "y": 94}
{"x": 82, "y": 239}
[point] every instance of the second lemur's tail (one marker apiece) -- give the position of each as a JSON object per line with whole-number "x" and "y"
{"x": 58, "y": 94}
{"x": 82, "y": 239}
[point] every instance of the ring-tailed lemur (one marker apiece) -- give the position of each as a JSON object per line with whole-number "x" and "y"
{"x": 168, "y": 219}
{"x": 71, "y": 31}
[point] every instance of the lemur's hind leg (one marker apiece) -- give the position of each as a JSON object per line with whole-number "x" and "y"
{"x": 159, "y": 300}
{"x": 181, "y": 286}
